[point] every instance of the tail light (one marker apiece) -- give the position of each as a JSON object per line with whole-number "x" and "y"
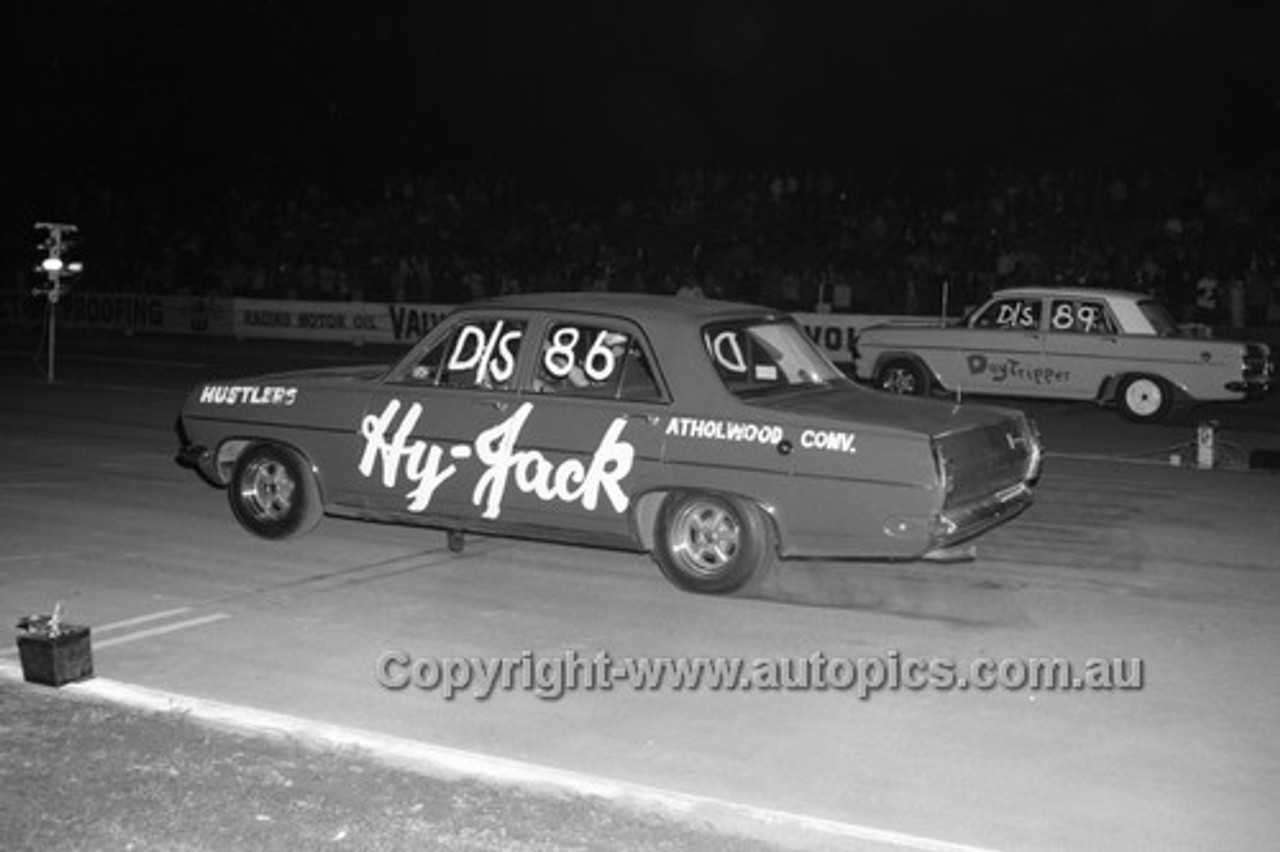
{"x": 1257, "y": 362}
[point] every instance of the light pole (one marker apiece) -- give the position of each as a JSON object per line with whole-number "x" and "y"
{"x": 56, "y": 243}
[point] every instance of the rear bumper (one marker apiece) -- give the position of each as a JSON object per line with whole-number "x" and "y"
{"x": 959, "y": 523}
{"x": 1254, "y": 389}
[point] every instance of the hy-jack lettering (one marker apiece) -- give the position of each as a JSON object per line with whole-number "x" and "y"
{"x": 391, "y": 448}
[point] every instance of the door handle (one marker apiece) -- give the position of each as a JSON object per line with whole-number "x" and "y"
{"x": 651, "y": 419}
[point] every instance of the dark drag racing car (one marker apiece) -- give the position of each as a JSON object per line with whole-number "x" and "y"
{"x": 713, "y": 435}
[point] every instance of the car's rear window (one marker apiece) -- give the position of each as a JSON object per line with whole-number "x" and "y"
{"x": 753, "y": 357}
{"x": 1158, "y": 315}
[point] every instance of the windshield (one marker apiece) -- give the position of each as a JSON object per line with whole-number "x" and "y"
{"x": 1159, "y": 317}
{"x": 762, "y": 357}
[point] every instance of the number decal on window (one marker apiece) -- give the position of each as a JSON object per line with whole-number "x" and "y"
{"x": 597, "y": 364}
{"x": 560, "y": 356}
{"x": 1018, "y": 315}
{"x": 1086, "y": 318}
{"x": 491, "y": 353}
{"x": 728, "y": 352}
{"x": 600, "y": 361}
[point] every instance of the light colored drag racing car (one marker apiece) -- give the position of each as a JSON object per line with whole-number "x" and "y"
{"x": 713, "y": 435}
{"x": 1110, "y": 346}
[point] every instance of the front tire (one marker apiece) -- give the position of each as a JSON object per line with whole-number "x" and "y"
{"x": 273, "y": 493}
{"x": 1144, "y": 399}
{"x": 712, "y": 544}
{"x": 903, "y": 376}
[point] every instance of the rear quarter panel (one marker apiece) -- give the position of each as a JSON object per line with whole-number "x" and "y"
{"x": 320, "y": 419}
{"x": 828, "y": 485}
{"x": 1201, "y": 369}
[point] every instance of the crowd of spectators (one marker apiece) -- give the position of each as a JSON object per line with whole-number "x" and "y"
{"x": 795, "y": 239}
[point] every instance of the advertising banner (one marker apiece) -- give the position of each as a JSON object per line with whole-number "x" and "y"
{"x": 346, "y": 322}
{"x": 835, "y": 332}
{"x": 132, "y": 312}
{"x": 352, "y": 322}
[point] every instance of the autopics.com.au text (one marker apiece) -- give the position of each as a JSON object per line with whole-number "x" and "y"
{"x": 553, "y": 676}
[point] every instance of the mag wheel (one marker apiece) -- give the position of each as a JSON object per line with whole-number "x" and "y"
{"x": 1144, "y": 399}
{"x": 273, "y": 493}
{"x": 903, "y": 377}
{"x": 711, "y": 543}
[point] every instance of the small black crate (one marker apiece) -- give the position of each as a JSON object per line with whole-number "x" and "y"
{"x": 55, "y": 659}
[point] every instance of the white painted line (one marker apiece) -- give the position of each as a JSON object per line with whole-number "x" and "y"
{"x": 17, "y": 557}
{"x": 142, "y": 619}
{"x": 160, "y": 631}
{"x": 428, "y": 758}
{"x": 131, "y": 622}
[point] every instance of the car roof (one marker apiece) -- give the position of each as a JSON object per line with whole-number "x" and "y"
{"x": 636, "y": 306}
{"x": 1073, "y": 293}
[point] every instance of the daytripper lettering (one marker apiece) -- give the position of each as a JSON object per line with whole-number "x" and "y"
{"x": 1000, "y": 371}
{"x": 390, "y": 446}
{"x": 247, "y": 395}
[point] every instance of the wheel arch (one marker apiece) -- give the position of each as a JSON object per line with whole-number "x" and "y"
{"x": 229, "y": 451}
{"x": 1111, "y": 385}
{"x": 1171, "y": 394}
{"x": 645, "y": 509}
{"x": 888, "y": 357}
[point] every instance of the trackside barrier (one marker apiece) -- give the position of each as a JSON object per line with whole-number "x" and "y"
{"x": 344, "y": 322}
{"x": 127, "y": 312}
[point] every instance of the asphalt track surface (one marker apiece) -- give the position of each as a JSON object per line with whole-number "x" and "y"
{"x": 1122, "y": 556}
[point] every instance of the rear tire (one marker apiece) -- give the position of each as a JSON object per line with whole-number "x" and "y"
{"x": 903, "y": 376}
{"x": 273, "y": 493}
{"x": 712, "y": 544}
{"x": 1144, "y": 399}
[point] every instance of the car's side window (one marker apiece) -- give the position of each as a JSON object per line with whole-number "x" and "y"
{"x": 1010, "y": 314}
{"x": 478, "y": 354}
{"x": 639, "y": 379}
{"x": 426, "y": 370}
{"x": 582, "y": 359}
{"x": 1080, "y": 316}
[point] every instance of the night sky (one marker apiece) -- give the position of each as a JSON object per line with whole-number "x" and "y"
{"x": 602, "y": 91}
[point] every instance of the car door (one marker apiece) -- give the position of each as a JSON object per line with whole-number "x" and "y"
{"x": 1002, "y": 349}
{"x": 1082, "y": 347}
{"x": 591, "y": 420}
{"x": 422, "y": 428}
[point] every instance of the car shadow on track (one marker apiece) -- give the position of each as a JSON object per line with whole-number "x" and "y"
{"x": 932, "y": 592}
